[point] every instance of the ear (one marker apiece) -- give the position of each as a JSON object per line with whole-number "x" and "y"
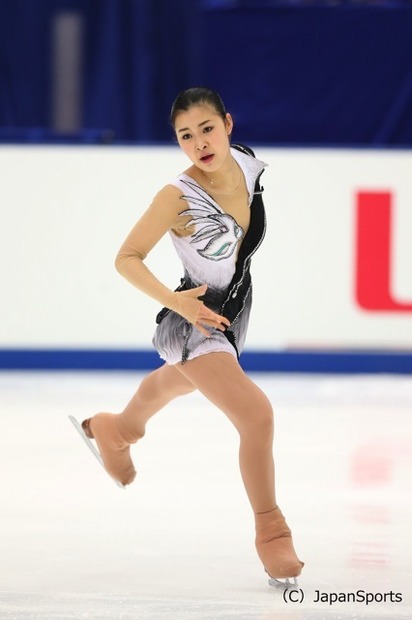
{"x": 229, "y": 123}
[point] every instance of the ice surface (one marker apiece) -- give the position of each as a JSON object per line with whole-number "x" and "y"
{"x": 178, "y": 543}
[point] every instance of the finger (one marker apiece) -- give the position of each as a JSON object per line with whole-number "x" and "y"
{"x": 211, "y": 323}
{"x": 205, "y": 313}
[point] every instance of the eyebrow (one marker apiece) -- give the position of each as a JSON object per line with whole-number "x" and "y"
{"x": 199, "y": 125}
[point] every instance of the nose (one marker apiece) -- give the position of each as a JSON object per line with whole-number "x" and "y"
{"x": 201, "y": 144}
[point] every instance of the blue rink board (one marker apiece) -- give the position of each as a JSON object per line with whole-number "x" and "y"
{"x": 304, "y": 361}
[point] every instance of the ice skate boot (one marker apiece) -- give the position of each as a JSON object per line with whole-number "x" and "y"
{"x": 113, "y": 442}
{"x": 275, "y": 548}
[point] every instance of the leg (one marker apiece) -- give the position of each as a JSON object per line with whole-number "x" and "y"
{"x": 221, "y": 379}
{"x": 114, "y": 433}
{"x": 155, "y": 391}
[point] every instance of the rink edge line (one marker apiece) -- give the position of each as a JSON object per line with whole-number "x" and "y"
{"x": 300, "y": 361}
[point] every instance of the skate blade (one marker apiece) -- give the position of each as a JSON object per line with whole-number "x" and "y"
{"x": 91, "y": 446}
{"x": 290, "y": 582}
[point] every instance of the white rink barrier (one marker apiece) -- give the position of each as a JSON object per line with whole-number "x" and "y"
{"x": 334, "y": 272}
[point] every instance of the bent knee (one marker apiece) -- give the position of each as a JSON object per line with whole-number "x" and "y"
{"x": 257, "y": 420}
{"x": 264, "y": 421}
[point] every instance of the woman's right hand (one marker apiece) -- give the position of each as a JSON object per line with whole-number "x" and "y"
{"x": 187, "y": 304}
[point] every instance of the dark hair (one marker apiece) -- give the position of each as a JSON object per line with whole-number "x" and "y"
{"x": 196, "y": 96}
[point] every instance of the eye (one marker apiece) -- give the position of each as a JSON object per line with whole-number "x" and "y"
{"x": 185, "y": 136}
{"x": 207, "y": 129}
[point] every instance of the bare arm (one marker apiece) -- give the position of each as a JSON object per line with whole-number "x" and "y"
{"x": 161, "y": 216}
{"x": 147, "y": 232}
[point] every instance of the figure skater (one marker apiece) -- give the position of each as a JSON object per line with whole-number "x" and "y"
{"x": 215, "y": 217}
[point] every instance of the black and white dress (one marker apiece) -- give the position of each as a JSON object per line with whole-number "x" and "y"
{"x": 211, "y": 255}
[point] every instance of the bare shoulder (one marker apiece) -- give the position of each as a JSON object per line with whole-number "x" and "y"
{"x": 168, "y": 206}
{"x": 169, "y": 194}
{"x": 167, "y": 201}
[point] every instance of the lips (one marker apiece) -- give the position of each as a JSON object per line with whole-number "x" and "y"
{"x": 206, "y": 159}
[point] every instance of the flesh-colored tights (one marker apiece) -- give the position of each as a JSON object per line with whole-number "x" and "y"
{"x": 223, "y": 382}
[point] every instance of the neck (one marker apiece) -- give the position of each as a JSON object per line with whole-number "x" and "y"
{"x": 227, "y": 180}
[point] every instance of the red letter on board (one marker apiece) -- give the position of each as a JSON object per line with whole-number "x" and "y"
{"x": 373, "y": 253}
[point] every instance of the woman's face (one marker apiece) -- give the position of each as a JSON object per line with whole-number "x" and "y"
{"x": 203, "y": 135}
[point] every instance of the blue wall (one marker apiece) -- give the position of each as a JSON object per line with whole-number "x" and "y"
{"x": 290, "y": 74}
{"x": 324, "y": 362}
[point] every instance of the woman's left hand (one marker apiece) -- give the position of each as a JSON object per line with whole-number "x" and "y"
{"x": 188, "y": 305}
